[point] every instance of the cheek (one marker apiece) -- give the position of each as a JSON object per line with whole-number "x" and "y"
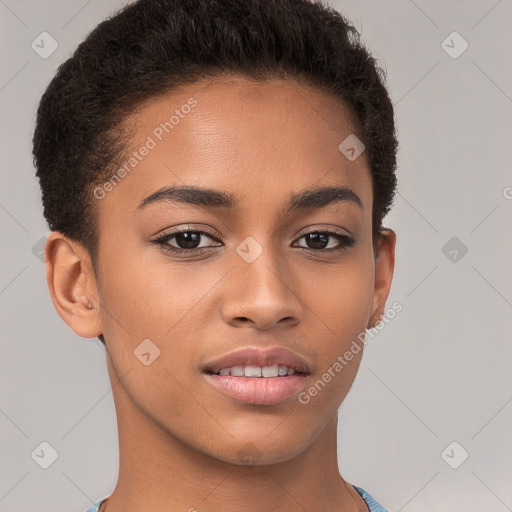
{"x": 341, "y": 314}
{"x": 148, "y": 292}
{"x": 341, "y": 301}
{"x": 147, "y": 309}
{"x": 148, "y": 297}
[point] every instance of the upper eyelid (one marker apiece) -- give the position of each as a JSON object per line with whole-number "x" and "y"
{"x": 309, "y": 229}
{"x": 186, "y": 230}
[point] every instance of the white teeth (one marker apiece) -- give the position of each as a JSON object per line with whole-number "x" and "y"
{"x": 252, "y": 371}
{"x": 237, "y": 371}
{"x": 257, "y": 371}
{"x": 270, "y": 371}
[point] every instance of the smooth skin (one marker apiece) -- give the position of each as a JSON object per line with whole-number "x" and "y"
{"x": 181, "y": 440}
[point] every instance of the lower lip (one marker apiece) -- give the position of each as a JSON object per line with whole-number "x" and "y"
{"x": 257, "y": 390}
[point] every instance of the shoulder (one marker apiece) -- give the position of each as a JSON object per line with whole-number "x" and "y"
{"x": 95, "y": 506}
{"x": 372, "y": 503}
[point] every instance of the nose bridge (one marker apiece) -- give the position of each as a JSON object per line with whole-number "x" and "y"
{"x": 259, "y": 288}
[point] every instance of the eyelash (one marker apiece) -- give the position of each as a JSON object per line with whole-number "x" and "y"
{"x": 344, "y": 241}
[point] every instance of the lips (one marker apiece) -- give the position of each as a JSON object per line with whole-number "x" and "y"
{"x": 254, "y": 356}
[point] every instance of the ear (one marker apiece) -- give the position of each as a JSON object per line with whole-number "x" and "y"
{"x": 72, "y": 284}
{"x": 384, "y": 267}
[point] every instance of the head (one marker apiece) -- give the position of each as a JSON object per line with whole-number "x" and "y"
{"x": 252, "y": 102}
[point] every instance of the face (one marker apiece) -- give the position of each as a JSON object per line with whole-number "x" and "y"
{"x": 248, "y": 269}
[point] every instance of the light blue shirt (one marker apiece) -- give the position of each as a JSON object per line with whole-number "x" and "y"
{"x": 373, "y": 506}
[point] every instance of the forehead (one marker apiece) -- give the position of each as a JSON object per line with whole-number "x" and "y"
{"x": 254, "y": 140}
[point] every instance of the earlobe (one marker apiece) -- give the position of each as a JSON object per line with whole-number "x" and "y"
{"x": 384, "y": 268}
{"x": 72, "y": 285}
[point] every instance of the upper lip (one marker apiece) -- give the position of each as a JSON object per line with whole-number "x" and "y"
{"x": 255, "y": 356}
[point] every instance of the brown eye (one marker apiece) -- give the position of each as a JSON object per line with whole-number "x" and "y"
{"x": 319, "y": 240}
{"x": 185, "y": 240}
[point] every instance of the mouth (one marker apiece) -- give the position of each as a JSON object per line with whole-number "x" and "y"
{"x": 258, "y": 377}
{"x": 252, "y": 371}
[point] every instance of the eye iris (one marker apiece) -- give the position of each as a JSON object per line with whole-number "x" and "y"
{"x": 187, "y": 239}
{"x": 319, "y": 240}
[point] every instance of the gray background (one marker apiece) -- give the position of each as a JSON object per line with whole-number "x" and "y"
{"x": 438, "y": 373}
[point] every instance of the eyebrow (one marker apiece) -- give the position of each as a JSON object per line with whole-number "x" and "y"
{"x": 309, "y": 199}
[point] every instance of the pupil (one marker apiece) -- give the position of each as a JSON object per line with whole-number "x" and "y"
{"x": 315, "y": 237}
{"x": 188, "y": 240}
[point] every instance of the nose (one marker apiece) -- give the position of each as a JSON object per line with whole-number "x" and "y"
{"x": 261, "y": 294}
